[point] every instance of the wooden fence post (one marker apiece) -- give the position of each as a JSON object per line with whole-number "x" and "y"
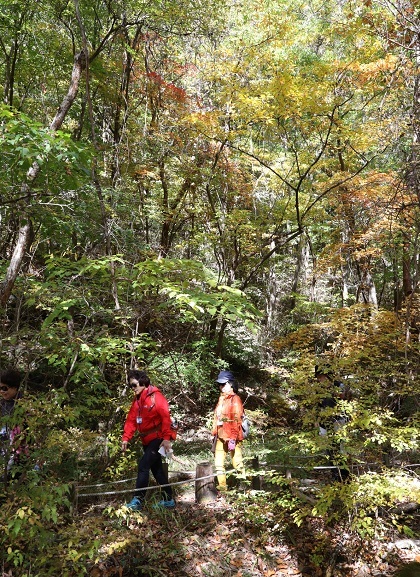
{"x": 205, "y": 489}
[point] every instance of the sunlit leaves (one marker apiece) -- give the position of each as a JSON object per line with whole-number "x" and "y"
{"x": 194, "y": 291}
{"x": 25, "y": 141}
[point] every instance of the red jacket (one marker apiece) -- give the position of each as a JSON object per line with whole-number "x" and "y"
{"x": 149, "y": 415}
{"x": 227, "y": 421}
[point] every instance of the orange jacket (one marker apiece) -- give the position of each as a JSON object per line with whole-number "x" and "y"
{"x": 227, "y": 421}
{"x": 149, "y": 415}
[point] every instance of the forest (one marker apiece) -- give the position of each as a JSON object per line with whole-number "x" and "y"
{"x": 192, "y": 186}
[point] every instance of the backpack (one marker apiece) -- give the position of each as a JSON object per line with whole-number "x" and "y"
{"x": 174, "y": 428}
{"x": 246, "y": 426}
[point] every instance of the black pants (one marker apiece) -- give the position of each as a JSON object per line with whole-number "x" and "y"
{"x": 152, "y": 461}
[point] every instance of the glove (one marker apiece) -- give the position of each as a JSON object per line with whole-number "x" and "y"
{"x": 231, "y": 444}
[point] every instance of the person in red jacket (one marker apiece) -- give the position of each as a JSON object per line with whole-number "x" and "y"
{"x": 227, "y": 428}
{"x": 149, "y": 416}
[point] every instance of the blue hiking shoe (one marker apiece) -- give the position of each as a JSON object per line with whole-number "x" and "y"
{"x": 165, "y": 504}
{"x": 135, "y": 504}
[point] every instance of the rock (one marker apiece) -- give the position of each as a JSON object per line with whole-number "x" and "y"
{"x": 407, "y": 544}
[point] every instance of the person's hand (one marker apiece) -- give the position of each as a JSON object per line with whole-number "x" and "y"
{"x": 231, "y": 444}
{"x": 167, "y": 446}
{"x": 124, "y": 446}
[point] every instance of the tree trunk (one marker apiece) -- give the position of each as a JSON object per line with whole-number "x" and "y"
{"x": 301, "y": 269}
{"x": 205, "y": 490}
{"x": 366, "y": 291}
{"x": 23, "y": 243}
{"x": 25, "y": 230}
{"x": 406, "y": 268}
{"x": 271, "y": 300}
{"x": 413, "y": 167}
{"x": 346, "y": 268}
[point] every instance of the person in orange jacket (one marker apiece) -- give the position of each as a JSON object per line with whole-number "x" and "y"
{"x": 149, "y": 416}
{"x": 227, "y": 428}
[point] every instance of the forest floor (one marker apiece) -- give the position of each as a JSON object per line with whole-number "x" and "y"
{"x": 211, "y": 540}
{"x": 216, "y": 539}
{"x": 291, "y": 550}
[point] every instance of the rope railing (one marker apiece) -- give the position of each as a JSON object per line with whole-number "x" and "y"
{"x": 152, "y": 487}
{"x": 256, "y": 472}
{"x": 130, "y": 479}
{"x": 272, "y": 466}
{"x": 108, "y": 483}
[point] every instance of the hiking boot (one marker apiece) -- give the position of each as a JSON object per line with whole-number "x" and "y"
{"x": 135, "y": 504}
{"x": 165, "y": 504}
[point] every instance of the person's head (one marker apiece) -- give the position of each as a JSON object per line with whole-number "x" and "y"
{"x": 226, "y": 382}
{"x": 9, "y": 384}
{"x": 138, "y": 380}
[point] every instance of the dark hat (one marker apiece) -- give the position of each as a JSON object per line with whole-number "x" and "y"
{"x": 224, "y": 377}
